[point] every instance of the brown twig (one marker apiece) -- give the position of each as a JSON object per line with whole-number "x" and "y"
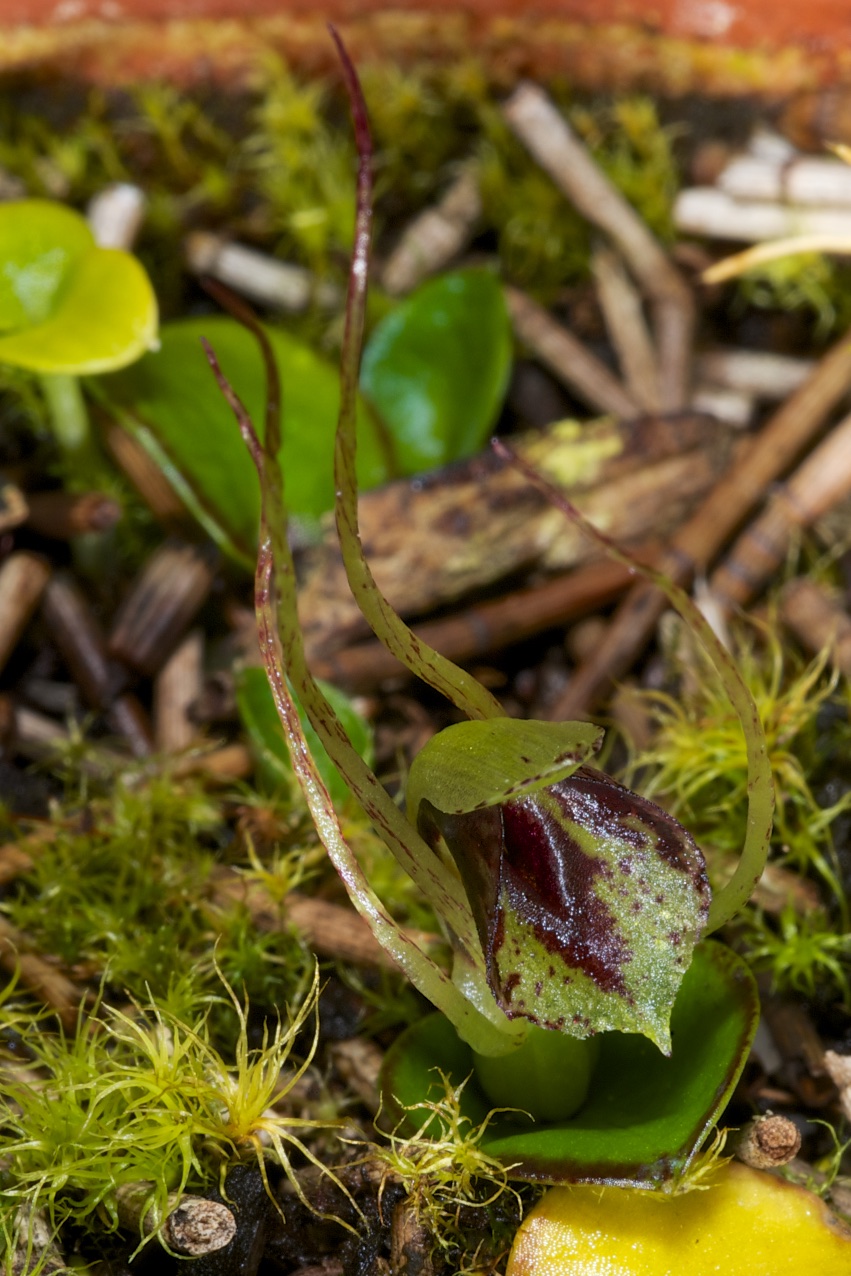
{"x": 42, "y": 979}
{"x": 331, "y": 930}
{"x": 818, "y": 621}
{"x": 63, "y": 515}
{"x": 780, "y": 441}
{"x": 192, "y": 1226}
{"x": 818, "y": 484}
{"x": 145, "y": 475}
{"x": 78, "y": 636}
{"x": 161, "y": 604}
{"x": 434, "y": 237}
{"x": 431, "y": 541}
{"x": 547, "y": 135}
{"x": 488, "y": 627}
{"x": 567, "y": 358}
{"x": 23, "y": 577}
{"x": 176, "y": 688}
{"x": 624, "y": 316}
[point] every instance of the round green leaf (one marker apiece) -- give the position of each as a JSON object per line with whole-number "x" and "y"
{"x": 437, "y": 368}
{"x": 67, "y": 306}
{"x": 646, "y": 1115}
{"x": 266, "y": 738}
{"x": 170, "y": 401}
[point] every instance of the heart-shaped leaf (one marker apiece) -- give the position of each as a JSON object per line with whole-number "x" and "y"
{"x": 436, "y": 368}
{"x": 272, "y": 756}
{"x": 67, "y": 306}
{"x": 646, "y": 1116}
{"x": 171, "y": 403}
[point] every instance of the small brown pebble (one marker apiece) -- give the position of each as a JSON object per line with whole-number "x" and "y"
{"x": 768, "y": 1141}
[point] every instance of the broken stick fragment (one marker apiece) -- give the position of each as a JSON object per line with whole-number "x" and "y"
{"x": 819, "y": 483}
{"x": 191, "y": 1225}
{"x": 768, "y": 1142}
{"x": 435, "y": 237}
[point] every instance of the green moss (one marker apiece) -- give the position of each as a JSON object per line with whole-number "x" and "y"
{"x": 143, "y": 1097}
{"x": 543, "y": 243}
{"x": 816, "y": 287}
{"x": 130, "y": 898}
{"x": 695, "y": 766}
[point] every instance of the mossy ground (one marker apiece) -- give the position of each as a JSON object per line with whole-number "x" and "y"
{"x": 122, "y": 896}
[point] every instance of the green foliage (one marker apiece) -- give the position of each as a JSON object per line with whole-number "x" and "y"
{"x": 302, "y": 167}
{"x": 171, "y": 404}
{"x": 436, "y": 368}
{"x": 808, "y": 283}
{"x": 645, "y": 1117}
{"x": 696, "y": 764}
{"x": 272, "y": 757}
{"x": 803, "y": 954}
{"x": 67, "y": 306}
{"x": 128, "y": 896}
{"x": 443, "y": 1166}
{"x": 145, "y": 1096}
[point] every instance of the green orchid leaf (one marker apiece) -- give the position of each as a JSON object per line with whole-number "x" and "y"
{"x": 645, "y": 1117}
{"x": 268, "y": 744}
{"x": 171, "y": 403}
{"x": 588, "y": 900}
{"x": 67, "y": 306}
{"x": 437, "y": 368}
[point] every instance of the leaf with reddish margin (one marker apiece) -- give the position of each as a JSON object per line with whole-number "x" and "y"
{"x": 645, "y": 1117}
{"x": 588, "y": 900}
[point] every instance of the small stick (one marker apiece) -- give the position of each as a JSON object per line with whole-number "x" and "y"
{"x": 13, "y": 507}
{"x": 331, "y": 930}
{"x": 161, "y": 604}
{"x": 753, "y": 372}
{"x": 358, "y": 1062}
{"x": 767, "y": 1142}
{"x": 147, "y": 478}
{"x": 838, "y": 1068}
{"x": 817, "y": 486}
{"x": 435, "y": 237}
{"x": 176, "y": 687}
{"x": 230, "y": 762}
{"x": 730, "y": 406}
{"x": 42, "y": 979}
{"x": 698, "y": 540}
{"x": 487, "y": 627}
{"x": 35, "y": 1246}
{"x": 622, "y": 310}
{"x": 64, "y": 515}
{"x": 817, "y": 620}
{"x": 78, "y": 636}
{"x": 567, "y": 358}
{"x": 23, "y": 578}
{"x": 411, "y": 1243}
{"x": 707, "y": 211}
{"x": 115, "y": 215}
{"x": 257, "y": 276}
{"x": 17, "y": 858}
{"x": 735, "y": 265}
{"x": 192, "y": 1225}
{"x": 804, "y": 179}
{"x": 547, "y": 135}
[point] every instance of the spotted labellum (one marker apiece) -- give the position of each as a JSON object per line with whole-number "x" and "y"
{"x": 587, "y": 899}
{"x": 572, "y": 905}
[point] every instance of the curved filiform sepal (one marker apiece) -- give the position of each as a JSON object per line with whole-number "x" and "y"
{"x": 588, "y": 901}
